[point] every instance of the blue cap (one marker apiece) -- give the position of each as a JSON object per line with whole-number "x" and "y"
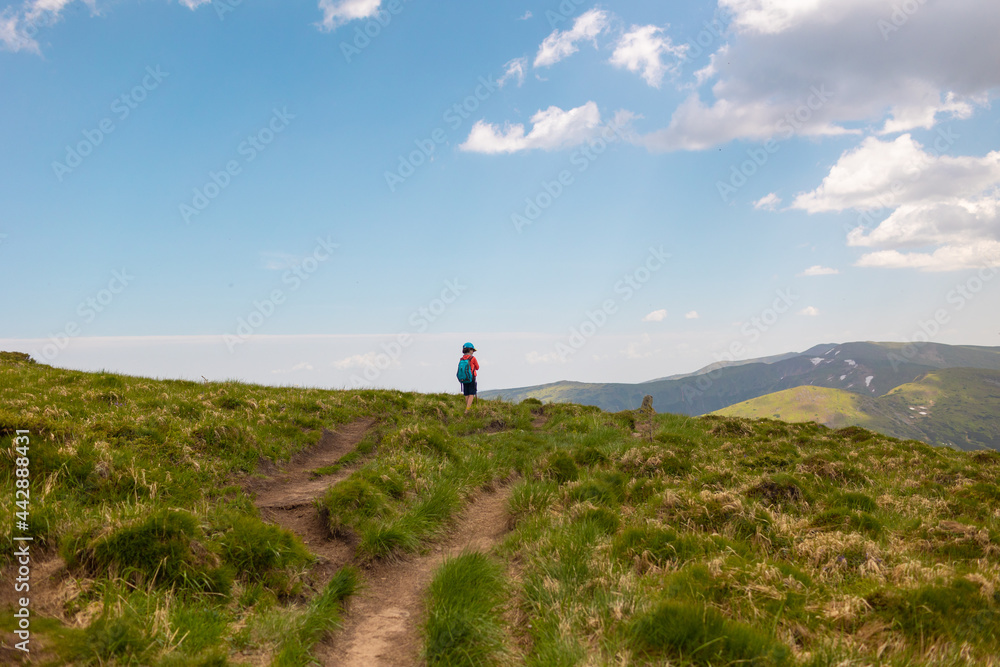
{"x": 469, "y": 346}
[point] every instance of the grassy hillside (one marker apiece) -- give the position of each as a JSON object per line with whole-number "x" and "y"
{"x": 957, "y": 407}
{"x": 835, "y": 408}
{"x": 632, "y": 539}
{"x": 868, "y": 369}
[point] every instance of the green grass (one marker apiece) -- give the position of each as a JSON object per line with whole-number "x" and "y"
{"x": 320, "y": 617}
{"x": 705, "y": 541}
{"x": 160, "y": 550}
{"x": 697, "y": 634}
{"x": 465, "y": 625}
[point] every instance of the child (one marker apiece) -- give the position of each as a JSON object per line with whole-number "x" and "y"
{"x": 468, "y": 388}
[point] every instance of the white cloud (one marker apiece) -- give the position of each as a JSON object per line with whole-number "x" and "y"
{"x": 359, "y": 361}
{"x": 809, "y": 311}
{"x": 552, "y": 129}
{"x": 338, "y": 12}
{"x": 13, "y": 35}
{"x": 303, "y": 366}
{"x": 643, "y": 49}
{"x": 560, "y": 45}
{"x": 768, "y": 202}
{"x": 925, "y": 115}
{"x": 770, "y": 17}
{"x": 948, "y": 258}
{"x": 656, "y": 316}
{"x": 934, "y": 223}
{"x": 18, "y": 27}
{"x": 778, "y": 53}
{"x": 879, "y": 174}
{"x": 819, "y": 271}
{"x": 515, "y": 70}
{"x": 943, "y": 236}
{"x": 38, "y": 8}
{"x": 944, "y": 208}
{"x": 534, "y": 358}
{"x": 693, "y": 315}
{"x": 638, "y": 349}
{"x": 695, "y": 126}
{"x": 524, "y": 17}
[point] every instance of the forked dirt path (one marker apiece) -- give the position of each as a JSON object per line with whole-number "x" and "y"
{"x": 287, "y": 498}
{"x": 381, "y": 627}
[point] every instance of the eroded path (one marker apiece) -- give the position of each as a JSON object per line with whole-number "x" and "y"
{"x": 287, "y": 498}
{"x": 381, "y": 628}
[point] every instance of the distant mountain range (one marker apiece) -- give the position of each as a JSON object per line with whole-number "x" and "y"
{"x": 867, "y": 384}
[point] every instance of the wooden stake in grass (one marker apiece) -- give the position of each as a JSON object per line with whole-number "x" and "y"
{"x": 649, "y": 413}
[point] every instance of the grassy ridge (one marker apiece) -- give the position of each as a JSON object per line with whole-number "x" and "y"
{"x": 701, "y": 541}
{"x": 135, "y": 484}
{"x": 729, "y": 540}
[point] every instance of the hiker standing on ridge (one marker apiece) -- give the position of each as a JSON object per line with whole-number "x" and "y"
{"x": 468, "y": 368}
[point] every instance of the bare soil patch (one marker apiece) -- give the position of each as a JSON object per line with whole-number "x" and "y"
{"x": 539, "y": 421}
{"x": 287, "y": 499}
{"x": 382, "y": 625}
{"x": 295, "y": 485}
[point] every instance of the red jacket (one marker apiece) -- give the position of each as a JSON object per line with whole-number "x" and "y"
{"x": 473, "y": 364}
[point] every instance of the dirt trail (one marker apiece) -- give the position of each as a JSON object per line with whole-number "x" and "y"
{"x": 381, "y": 628}
{"x": 539, "y": 421}
{"x": 287, "y": 499}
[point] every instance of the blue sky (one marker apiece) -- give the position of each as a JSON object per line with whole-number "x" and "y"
{"x": 341, "y": 192}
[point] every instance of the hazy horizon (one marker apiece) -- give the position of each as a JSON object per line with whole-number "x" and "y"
{"x": 189, "y": 358}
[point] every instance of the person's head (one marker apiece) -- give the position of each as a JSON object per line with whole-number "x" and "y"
{"x": 468, "y": 348}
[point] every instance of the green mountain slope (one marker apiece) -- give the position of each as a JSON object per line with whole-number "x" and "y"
{"x": 958, "y": 407}
{"x": 835, "y": 408}
{"x": 869, "y": 369}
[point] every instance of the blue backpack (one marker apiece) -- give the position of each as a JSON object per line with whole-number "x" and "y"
{"x": 464, "y": 374}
